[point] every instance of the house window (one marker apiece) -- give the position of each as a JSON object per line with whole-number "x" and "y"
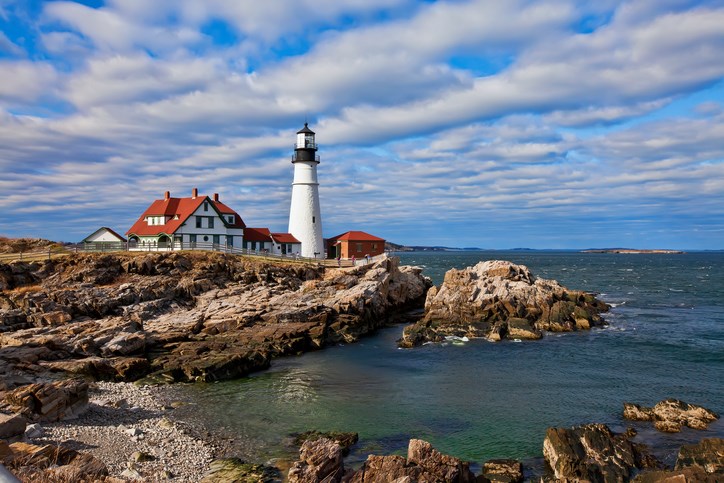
{"x": 206, "y": 206}
{"x": 374, "y": 246}
{"x": 198, "y": 222}
{"x": 216, "y": 239}
{"x": 192, "y": 240}
{"x": 359, "y": 247}
{"x": 245, "y": 244}
{"x": 231, "y": 219}
{"x": 253, "y": 245}
{"x": 211, "y": 222}
{"x": 206, "y": 238}
{"x": 229, "y": 241}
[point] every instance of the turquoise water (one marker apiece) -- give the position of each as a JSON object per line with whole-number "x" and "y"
{"x": 485, "y": 400}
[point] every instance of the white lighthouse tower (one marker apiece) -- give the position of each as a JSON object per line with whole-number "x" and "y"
{"x": 305, "y": 216}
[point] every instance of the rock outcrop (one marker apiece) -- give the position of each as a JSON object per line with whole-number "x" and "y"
{"x": 185, "y": 316}
{"x": 500, "y": 300}
{"x": 671, "y": 415}
{"x": 594, "y": 453}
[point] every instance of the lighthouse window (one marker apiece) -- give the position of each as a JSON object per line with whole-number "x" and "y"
{"x": 313, "y": 219}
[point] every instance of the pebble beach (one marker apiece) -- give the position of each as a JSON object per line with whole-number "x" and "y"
{"x": 132, "y": 429}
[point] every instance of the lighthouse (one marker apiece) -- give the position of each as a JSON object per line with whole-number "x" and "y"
{"x": 305, "y": 216}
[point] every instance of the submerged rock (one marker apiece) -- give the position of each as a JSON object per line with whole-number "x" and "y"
{"x": 235, "y": 470}
{"x": 670, "y": 415}
{"x": 345, "y": 440}
{"x": 501, "y": 300}
{"x": 503, "y": 471}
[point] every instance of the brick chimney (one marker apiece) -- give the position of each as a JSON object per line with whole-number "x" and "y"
{"x": 195, "y": 193}
{"x": 167, "y": 195}
{"x": 216, "y": 196}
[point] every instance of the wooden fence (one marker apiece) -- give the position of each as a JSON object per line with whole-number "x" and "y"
{"x": 47, "y": 254}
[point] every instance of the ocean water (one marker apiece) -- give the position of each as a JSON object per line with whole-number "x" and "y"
{"x": 482, "y": 400}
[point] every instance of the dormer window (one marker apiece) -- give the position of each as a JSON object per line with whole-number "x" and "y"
{"x": 231, "y": 219}
{"x": 206, "y": 206}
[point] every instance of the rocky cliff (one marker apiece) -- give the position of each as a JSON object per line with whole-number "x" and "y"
{"x": 185, "y": 316}
{"x": 497, "y": 300}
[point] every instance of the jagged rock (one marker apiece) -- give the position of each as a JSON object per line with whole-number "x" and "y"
{"x": 635, "y": 412}
{"x": 593, "y": 452}
{"x": 49, "y": 401}
{"x": 671, "y": 414}
{"x": 319, "y": 460}
{"x": 503, "y": 471}
{"x": 708, "y": 454}
{"x": 385, "y": 468}
{"x": 497, "y": 300}
{"x": 11, "y": 425}
{"x": 441, "y": 467}
{"x": 423, "y": 464}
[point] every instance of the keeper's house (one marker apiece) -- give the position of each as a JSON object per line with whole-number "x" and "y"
{"x": 103, "y": 239}
{"x": 357, "y": 244}
{"x": 182, "y": 223}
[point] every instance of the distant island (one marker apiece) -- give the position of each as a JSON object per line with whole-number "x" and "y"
{"x": 632, "y": 251}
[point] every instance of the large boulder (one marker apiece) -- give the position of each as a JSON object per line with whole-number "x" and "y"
{"x": 498, "y": 300}
{"x": 670, "y": 415}
{"x": 594, "y": 453}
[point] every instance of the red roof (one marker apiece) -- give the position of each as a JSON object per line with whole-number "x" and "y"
{"x": 257, "y": 234}
{"x": 183, "y": 207}
{"x": 284, "y": 238}
{"x": 357, "y": 236}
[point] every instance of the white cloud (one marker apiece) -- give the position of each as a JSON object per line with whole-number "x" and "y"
{"x": 24, "y": 81}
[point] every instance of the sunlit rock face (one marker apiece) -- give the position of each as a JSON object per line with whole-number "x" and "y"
{"x": 501, "y": 300}
{"x": 186, "y": 316}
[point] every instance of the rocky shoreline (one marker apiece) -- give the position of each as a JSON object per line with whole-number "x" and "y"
{"x": 202, "y": 317}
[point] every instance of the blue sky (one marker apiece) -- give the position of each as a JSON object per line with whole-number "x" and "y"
{"x": 544, "y": 124}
